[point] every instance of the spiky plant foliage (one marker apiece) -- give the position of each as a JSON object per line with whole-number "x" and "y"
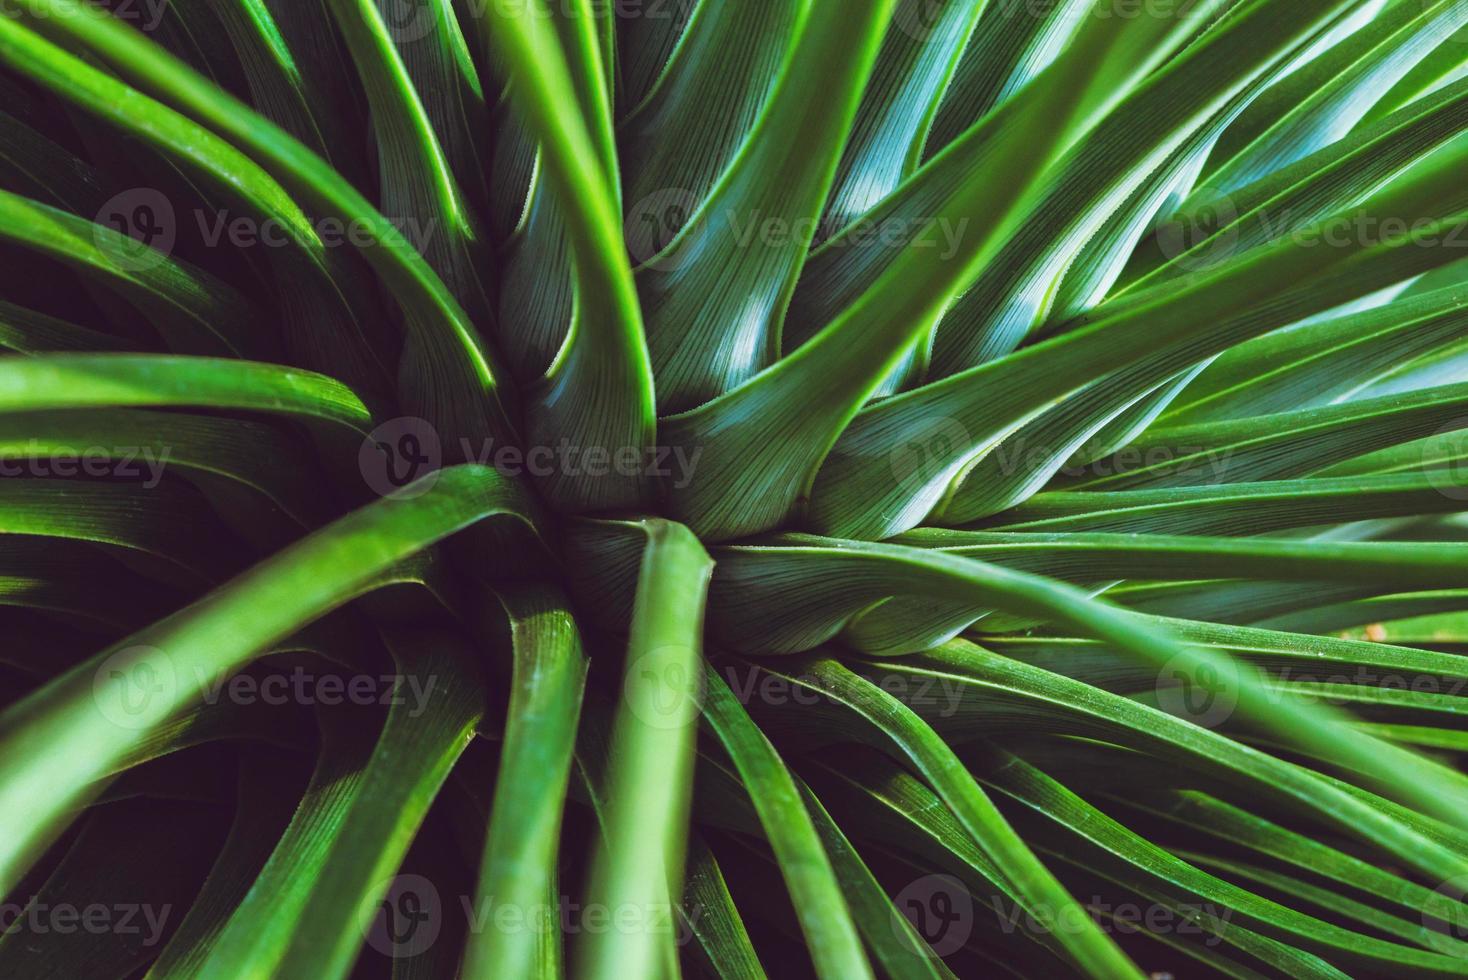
{"x": 523, "y": 488}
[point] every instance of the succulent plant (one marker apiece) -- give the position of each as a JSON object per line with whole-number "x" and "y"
{"x": 735, "y": 488}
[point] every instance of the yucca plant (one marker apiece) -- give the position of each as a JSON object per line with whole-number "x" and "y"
{"x": 919, "y": 488}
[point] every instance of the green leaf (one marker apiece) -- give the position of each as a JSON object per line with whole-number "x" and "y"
{"x": 599, "y": 391}
{"x": 641, "y": 864}
{"x": 894, "y": 941}
{"x": 1323, "y": 362}
{"x": 1043, "y": 897}
{"x": 425, "y": 732}
{"x": 829, "y": 932}
{"x": 715, "y": 294}
{"x": 418, "y": 183}
{"x": 1324, "y": 100}
{"x": 1077, "y": 819}
{"x": 219, "y": 634}
{"x": 195, "y": 312}
{"x": 700, "y": 110}
{"x": 519, "y": 866}
{"x": 26, "y": 331}
{"x": 1152, "y": 334}
{"x": 913, "y": 68}
{"x": 1147, "y": 144}
{"x": 815, "y": 391}
{"x": 466, "y": 402}
{"x": 1269, "y": 447}
{"x": 802, "y": 590}
{"x": 1235, "y": 508}
{"x": 719, "y": 930}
